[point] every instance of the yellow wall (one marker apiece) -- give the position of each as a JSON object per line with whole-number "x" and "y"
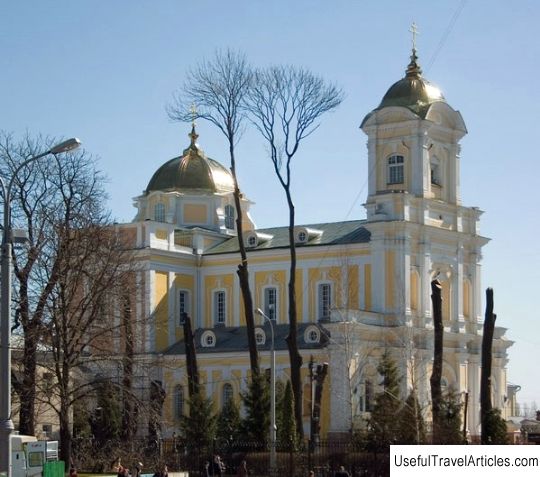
{"x": 162, "y": 309}
{"x": 414, "y": 290}
{"x": 367, "y": 286}
{"x": 195, "y": 213}
{"x": 466, "y": 298}
{"x": 161, "y": 234}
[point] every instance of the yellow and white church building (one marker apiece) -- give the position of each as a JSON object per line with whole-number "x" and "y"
{"x": 363, "y": 286}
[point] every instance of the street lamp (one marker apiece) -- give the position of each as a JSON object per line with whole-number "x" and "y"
{"x": 272, "y": 394}
{"x": 6, "y": 424}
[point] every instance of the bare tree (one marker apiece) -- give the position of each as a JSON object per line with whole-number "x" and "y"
{"x": 286, "y": 104}
{"x": 218, "y": 89}
{"x": 74, "y": 259}
{"x": 95, "y": 268}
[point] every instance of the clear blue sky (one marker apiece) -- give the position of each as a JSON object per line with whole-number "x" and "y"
{"x": 104, "y": 71}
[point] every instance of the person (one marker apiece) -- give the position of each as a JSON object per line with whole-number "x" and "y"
{"x": 242, "y": 470}
{"x": 341, "y": 472}
{"x": 138, "y": 470}
{"x": 163, "y": 472}
{"x": 311, "y": 473}
{"x": 217, "y": 466}
{"x": 207, "y": 469}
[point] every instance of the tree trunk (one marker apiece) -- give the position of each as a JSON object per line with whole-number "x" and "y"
{"x": 191, "y": 358}
{"x": 129, "y": 424}
{"x": 63, "y": 417}
{"x": 28, "y": 388}
{"x": 243, "y": 272}
{"x": 485, "y": 377}
{"x": 436, "y": 375}
{"x": 294, "y": 355}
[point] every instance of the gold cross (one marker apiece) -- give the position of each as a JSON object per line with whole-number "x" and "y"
{"x": 414, "y": 31}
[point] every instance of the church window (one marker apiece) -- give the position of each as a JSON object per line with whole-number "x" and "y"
{"x": 270, "y": 302}
{"x": 183, "y": 305}
{"x": 159, "y": 212}
{"x": 178, "y": 401}
{"x": 219, "y": 306}
{"x": 229, "y": 217}
{"x": 395, "y": 170}
{"x": 324, "y": 300}
{"x": 227, "y": 393}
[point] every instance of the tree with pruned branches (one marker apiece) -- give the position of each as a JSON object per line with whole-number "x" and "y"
{"x": 286, "y": 104}
{"x": 218, "y": 88}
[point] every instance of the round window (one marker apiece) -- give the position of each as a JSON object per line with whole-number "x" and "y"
{"x": 302, "y": 236}
{"x": 252, "y": 241}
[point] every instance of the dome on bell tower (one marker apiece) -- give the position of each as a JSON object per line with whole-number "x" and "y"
{"x": 413, "y": 91}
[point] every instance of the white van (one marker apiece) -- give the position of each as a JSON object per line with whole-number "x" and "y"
{"x": 28, "y": 455}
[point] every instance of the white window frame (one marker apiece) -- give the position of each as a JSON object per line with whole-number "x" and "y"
{"x": 268, "y": 311}
{"x": 208, "y": 339}
{"x": 219, "y": 310}
{"x": 396, "y": 169}
{"x": 186, "y": 303}
{"x": 321, "y": 306}
{"x": 159, "y": 212}
{"x": 229, "y": 217}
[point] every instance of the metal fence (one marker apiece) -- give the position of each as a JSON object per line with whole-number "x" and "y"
{"x": 324, "y": 458}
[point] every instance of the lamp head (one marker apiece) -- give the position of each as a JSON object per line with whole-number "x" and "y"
{"x": 66, "y": 146}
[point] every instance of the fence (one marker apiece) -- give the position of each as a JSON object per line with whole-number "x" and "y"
{"x": 324, "y": 458}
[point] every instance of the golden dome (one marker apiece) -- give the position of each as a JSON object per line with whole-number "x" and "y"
{"x": 412, "y": 91}
{"x": 191, "y": 171}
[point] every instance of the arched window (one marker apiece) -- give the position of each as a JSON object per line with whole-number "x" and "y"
{"x": 395, "y": 170}
{"x": 227, "y": 393}
{"x": 229, "y": 217}
{"x": 159, "y": 212}
{"x": 178, "y": 401}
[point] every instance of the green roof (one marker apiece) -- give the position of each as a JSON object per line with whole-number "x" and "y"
{"x": 333, "y": 233}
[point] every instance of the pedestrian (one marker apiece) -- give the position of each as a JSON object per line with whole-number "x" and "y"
{"x": 342, "y": 472}
{"x": 207, "y": 469}
{"x": 138, "y": 470}
{"x": 218, "y": 466}
{"x": 162, "y": 472}
{"x": 242, "y": 470}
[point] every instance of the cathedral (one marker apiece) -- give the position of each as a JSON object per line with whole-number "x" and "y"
{"x": 363, "y": 286}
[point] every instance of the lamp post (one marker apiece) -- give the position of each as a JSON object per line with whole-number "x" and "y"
{"x": 6, "y": 424}
{"x": 272, "y": 394}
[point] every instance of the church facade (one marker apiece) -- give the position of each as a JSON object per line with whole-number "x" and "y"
{"x": 363, "y": 286}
